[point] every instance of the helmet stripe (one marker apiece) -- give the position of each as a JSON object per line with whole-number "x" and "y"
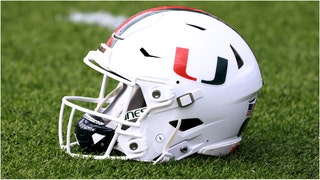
{"x": 134, "y": 19}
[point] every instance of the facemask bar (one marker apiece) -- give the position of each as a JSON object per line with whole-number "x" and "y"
{"x": 119, "y": 121}
{"x": 99, "y": 101}
{"x": 165, "y": 156}
{"x": 66, "y": 102}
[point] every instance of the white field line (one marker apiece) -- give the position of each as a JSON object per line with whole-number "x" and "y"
{"x": 103, "y": 19}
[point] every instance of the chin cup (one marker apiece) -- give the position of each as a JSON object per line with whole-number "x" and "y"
{"x": 93, "y": 134}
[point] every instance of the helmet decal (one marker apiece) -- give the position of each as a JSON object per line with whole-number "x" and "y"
{"x": 180, "y": 67}
{"x": 180, "y": 63}
{"x": 221, "y": 72}
{"x": 251, "y": 105}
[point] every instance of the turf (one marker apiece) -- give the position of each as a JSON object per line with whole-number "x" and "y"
{"x": 41, "y": 61}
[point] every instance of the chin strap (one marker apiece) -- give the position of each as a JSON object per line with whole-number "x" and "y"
{"x": 165, "y": 156}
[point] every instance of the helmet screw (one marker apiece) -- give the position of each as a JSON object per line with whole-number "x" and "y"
{"x": 156, "y": 94}
{"x": 160, "y": 138}
{"x": 184, "y": 149}
{"x": 133, "y": 146}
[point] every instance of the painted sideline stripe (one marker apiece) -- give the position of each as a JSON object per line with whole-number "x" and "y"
{"x": 104, "y": 19}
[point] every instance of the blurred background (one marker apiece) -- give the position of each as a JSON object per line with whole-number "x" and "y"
{"x": 42, "y": 47}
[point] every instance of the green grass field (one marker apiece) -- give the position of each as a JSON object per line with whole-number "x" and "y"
{"x": 41, "y": 61}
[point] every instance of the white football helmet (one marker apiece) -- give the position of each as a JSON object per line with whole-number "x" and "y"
{"x": 187, "y": 83}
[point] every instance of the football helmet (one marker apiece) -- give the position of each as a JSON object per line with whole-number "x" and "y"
{"x": 186, "y": 83}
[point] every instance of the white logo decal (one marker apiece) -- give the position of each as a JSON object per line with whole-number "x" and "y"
{"x": 97, "y": 137}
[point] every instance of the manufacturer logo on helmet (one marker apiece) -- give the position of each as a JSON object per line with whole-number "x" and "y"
{"x": 180, "y": 67}
{"x": 134, "y": 113}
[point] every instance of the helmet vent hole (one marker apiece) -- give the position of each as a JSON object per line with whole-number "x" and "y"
{"x": 195, "y": 26}
{"x": 186, "y": 123}
{"x": 237, "y": 56}
{"x": 146, "y": 54}
{"x": 177, "y": 82}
